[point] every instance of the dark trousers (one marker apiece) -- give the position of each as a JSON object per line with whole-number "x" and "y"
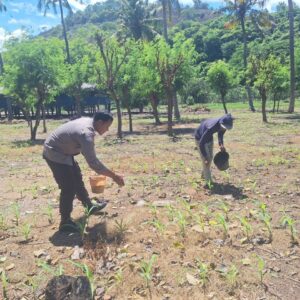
{"x": 69, "y": 180}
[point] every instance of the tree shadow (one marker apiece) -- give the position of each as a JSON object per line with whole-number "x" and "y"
{"x": 292, "y": 117}
{"x": 159, "y": 131}
{"x": 27, "y": 143}
{"x": 228, "y": 189}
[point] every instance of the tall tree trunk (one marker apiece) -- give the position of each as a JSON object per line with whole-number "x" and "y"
{"x": 126, "y": 101}
{"x": 119, "y": 113}
{"x": 292, "y": 57}
{"x": 129, "y": 118}
{"x": 224, "y": 104}
{"x": 274, "y": 104}
{"x": 176, "y": 106}
{"x": 44, "y": 118}
{"x": 245, "y": 53}
{"x": 154, "y": 104}
{"x": 9, "y": 110}
{"x": 263, "y": 104}
{"x": 1, "y": 65}
{"x": 169, "y": 94}
{"x": 78, "y": 106}
{"x": 64, "y": 31}
{"x": 165, "y": 20}
{"x": 37, "y": 121}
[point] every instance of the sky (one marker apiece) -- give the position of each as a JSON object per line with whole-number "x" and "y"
{"x": 23, "y": 15}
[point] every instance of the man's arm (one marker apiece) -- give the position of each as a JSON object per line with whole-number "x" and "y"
{"x": 88, "y": 151}
{"x": 221, "y": 140}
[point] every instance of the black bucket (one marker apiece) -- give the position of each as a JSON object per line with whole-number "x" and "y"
{"x": 221, "y": 160}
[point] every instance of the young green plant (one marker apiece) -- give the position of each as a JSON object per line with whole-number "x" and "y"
{"x": 121, "y": 228}
{"x": 4, "y": 281}
{"x": 88, "y": 273}
{"x": 49, "y": 213}
{"x": 261, "y": 268}
{"x": 203, "y": 272}
{"x": 231, "y": 277}
{"x": 26, "y": 230}
{"x": 17, "y": 212}
{"x": 221, "y": 221}
{"x": 181, "y": 221}
{"x": 246, "y": 227}
{"x": 146, "y": 268}
{"x": 290, "y": 223}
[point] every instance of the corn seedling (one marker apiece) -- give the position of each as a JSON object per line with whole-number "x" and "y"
{"x": 4, "y": 281}
{"x": 121, "y": 228}
{"x": 26, "y": 230}
{"x": 153, "y": 210}
{"x": 3, "y": 225}
{"x": 266, "y": 219}
{"x": 225, "y": 209}
{"x": 118, "y": 277}
{"x": 231, "y": 277}
{"x": 146, "y": 270}
{"x": 87, "y": 272}
{"x": 206, "y": 212}
{"x": 210, "y": 185}
{"x": 157, "y": 224}
{"x": 83, "y": 223}
{"x": 187, "y": 206}
{"x": 16, "y": 212}
{"x": 246, "y": 227}
{"x": 170, "y": 212}
{"x": 290, "y": 222}
{"x": 262, "y": 208}
{"x": 49, "y": 213}
{"x": 181, "y": 220}
{"x": 261, "y": 268}
{"x": 203, "y": 273}
{"x": 221, "y": 221}
{"x": 51, "y": 270}
{"x": 199, "y": 220}
{"x": 33, "y": 282}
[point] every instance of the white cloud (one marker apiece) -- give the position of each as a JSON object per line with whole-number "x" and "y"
{"x": 24, "y": 7}
{"x": 22, "y": 22}
{"x": 76, "y": 5}
{"x": 5, "y": 36}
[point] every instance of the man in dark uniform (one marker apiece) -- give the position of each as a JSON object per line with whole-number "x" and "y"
{"x": 205, "y": 141}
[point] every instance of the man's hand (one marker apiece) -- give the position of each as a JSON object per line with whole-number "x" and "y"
{"x": 222, "y": 148}
{"x": 118, "y": 180}
{"x": 206, "y": 162}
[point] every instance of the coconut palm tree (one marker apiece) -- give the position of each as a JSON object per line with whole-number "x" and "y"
{"x": 45, "y": 5}
{"x": 168, "y": 7}
{"x": 2, "y": 6}
{"x": 239, "y": 10}
{"x": 292, "y": 57}
{"x": 137, "y": 18}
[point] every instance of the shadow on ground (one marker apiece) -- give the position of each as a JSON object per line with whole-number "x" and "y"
{"x": 94, "y": 235}
{"x": 228, "y": 189}
{"x": 27, "y": 143}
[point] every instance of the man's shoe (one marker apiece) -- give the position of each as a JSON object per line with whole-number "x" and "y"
{"x": 68, "y": 226}
{"x": 96, "y": 207}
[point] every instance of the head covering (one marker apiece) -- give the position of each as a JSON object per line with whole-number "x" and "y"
{"x": 226, "y": 122}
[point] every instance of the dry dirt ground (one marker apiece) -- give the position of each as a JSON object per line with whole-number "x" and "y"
{"x": 163, "y": 236}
